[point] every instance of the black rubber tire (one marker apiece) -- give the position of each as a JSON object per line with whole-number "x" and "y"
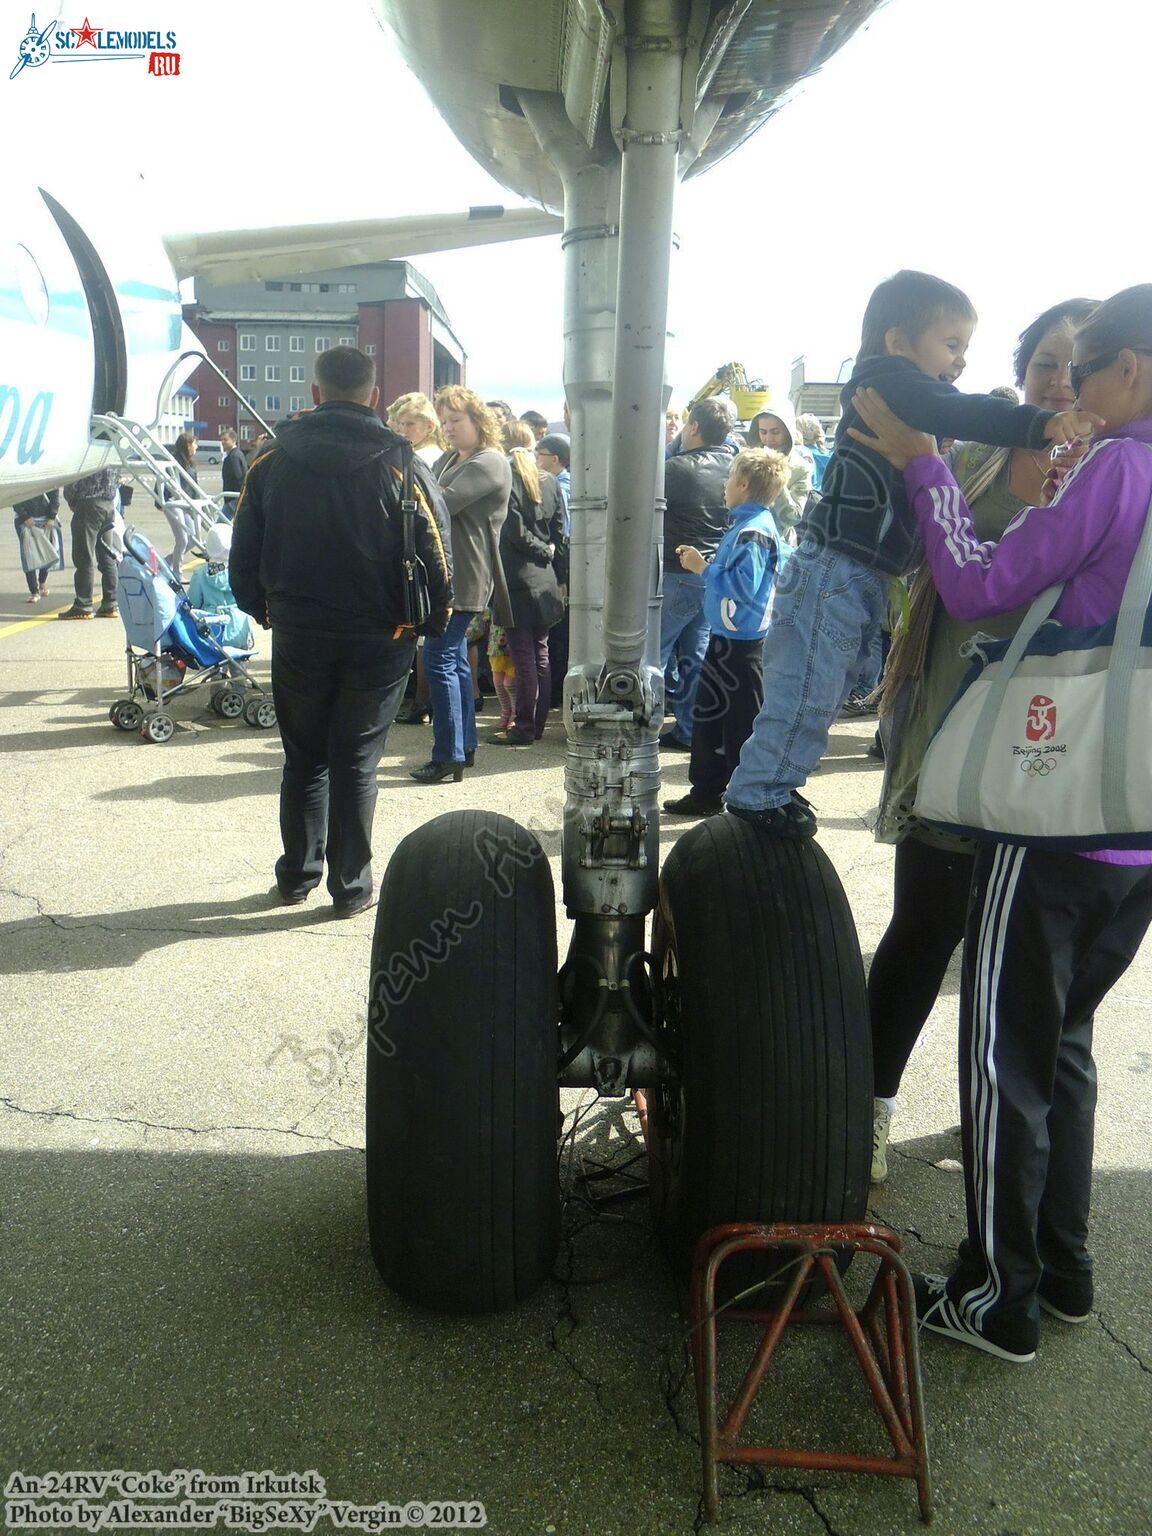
{"x": 770, "y": 1118}
{"x": 462, "y": 1097}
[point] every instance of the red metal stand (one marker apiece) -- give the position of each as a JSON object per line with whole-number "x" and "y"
{"x": 882, "y": 1334}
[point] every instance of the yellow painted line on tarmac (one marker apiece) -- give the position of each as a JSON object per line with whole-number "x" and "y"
{"x": 41, "y": 618}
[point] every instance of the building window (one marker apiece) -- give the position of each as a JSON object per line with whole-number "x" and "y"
{"x": 296, "y": 373}
{"x": 295, "y": 343}
{"x": 273, "y": 287}
{"x": 222, "y": 400}
{"x": 223, "y": 426}
{"x": 246, "y": 432}
{"x": 271, "y": 343}
{"x": 322, "y": 343}
{"x": 271, "y": 402}
{"x": 272, "y": 373}
{"x": 370, "y": 349}
{"x": 296, "y": 402}
{"x": 247, "y": 373}
{"x": 347, "y": 341}
{"x": 223, "y": 346}
{"x": 345, "y": 287}
{"x": 247, "y": 341}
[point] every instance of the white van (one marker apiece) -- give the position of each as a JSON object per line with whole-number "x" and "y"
{"x": 209, "y": 450}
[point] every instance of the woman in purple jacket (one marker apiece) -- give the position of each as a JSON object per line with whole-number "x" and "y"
{"x": 1049, "y": 933}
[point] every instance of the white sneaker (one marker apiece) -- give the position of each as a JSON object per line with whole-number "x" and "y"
{"x": 881, "y": 1122}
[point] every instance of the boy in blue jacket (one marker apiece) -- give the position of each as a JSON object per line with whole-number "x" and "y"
{"x": 860, "y": 532}
{"x": 739, "y": 583}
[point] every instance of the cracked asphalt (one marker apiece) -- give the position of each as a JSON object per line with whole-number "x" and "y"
{"x": 184, "y": 1269}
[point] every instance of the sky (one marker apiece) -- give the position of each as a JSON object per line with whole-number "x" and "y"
{"x": 1002, "y": 144}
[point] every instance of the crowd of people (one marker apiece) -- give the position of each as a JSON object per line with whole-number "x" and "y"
{"x": 784, "y": 560}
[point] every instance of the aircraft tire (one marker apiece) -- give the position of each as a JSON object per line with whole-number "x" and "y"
{"x": 462, "y": 1097}
{"x": 760, "y": 996}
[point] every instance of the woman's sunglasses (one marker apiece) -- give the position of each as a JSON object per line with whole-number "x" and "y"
{"x": 1078, "y": 372}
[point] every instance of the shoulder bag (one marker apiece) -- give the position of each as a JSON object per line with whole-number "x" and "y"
{"x": 1049, "y": 741}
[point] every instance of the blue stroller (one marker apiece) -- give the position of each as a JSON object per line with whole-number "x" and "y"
{"x": 173, "y": 650}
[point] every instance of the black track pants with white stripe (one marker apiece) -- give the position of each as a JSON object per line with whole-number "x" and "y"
{"x": 1048, "y": 935}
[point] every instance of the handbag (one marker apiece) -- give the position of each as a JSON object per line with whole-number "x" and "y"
{"x": 417, "y": 603}
{"x": 38, "y": 549}
{"x": 1048, "y": 743}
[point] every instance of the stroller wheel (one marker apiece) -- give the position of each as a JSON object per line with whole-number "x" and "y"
{"x": 126, "y": 715}
{"x": 260, "y": 712}
{"x": 158, "y": 728}
{"x": 230, "y": 704}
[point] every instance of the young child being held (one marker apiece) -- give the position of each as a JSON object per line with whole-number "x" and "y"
{"x": 739, "y": 581}
{"x": 860, "y": 532}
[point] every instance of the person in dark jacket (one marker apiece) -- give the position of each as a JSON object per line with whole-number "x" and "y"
{"x": 530, "y": 539}
{"x": 43, "y": 512}
{"x": 234, "y": 467}
{"x": 95, "y": 543}
{"x": 697, "y": 516}
{"x": 316, "y": 556}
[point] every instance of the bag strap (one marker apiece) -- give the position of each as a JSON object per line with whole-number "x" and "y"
{"x": 408, "y": 507}
{"x": 1121, "y": 674}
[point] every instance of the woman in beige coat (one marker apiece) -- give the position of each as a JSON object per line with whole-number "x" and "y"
{"x": 476, "y": 480}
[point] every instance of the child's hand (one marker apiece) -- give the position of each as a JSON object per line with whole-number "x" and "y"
{"x": 1063, "y": 457}
{"x": 691, "y": 559}
{"x": 1066, "y": 426}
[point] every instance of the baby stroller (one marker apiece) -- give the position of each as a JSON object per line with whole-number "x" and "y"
{"x": 172, "y": 650}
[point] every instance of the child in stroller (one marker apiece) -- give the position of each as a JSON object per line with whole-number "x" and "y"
{"x": 172, "y": 650}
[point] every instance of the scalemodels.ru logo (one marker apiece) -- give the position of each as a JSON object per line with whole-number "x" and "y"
{"x": 56, "y": 44}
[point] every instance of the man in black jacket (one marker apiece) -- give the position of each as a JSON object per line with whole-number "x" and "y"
{"x": 317, "y": 557}
{"x": 696, "y": 514}
{"x": 234, "y": 467}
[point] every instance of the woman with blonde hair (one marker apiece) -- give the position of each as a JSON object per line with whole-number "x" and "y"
{"x": 475, "y": 479}
{"x": 414, "y": 417}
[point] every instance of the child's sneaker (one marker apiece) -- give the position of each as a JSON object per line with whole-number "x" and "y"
{"x": 795, "y": 819}
{"x": 881, "y": 1124}
{"x": 936, "y": 1311}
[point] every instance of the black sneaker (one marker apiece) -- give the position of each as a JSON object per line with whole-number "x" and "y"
{"x": 792, "y": 820}
{"x": 857, "y": 707}
{"x": 938, "y": 1313}
{"x": 690, "y": 805}
{"x": 670, "y": 742}
{"x": 1068, "y": 1299}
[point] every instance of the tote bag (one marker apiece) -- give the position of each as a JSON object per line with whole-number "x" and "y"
{"x": 40, "y": 549}
{"x": 1049, "y": 741}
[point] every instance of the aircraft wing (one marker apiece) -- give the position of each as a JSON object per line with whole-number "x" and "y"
{"x": 473, "y": 58}
{"x": 235, "y": 255}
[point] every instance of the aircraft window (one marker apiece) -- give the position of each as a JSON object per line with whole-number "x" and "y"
{"x": 223, "y": 346}
{"x": 271, "y": 343}
{"x": 110, "y": 383}
{"x": 247, "y": 342}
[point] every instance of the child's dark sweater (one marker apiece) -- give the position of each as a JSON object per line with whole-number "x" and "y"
{"x": 862, "y": 509}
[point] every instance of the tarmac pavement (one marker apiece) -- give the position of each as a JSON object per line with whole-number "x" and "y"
{"x": 184, "y": 1268}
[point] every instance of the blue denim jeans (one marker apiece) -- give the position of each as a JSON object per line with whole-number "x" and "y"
{"x": 450, "y": 691}
{"x": 826, "y": 611}
{"x": 683, "y": 636}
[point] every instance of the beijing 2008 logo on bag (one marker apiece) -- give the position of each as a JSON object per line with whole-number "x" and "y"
{"x": 1041, "y": 723}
